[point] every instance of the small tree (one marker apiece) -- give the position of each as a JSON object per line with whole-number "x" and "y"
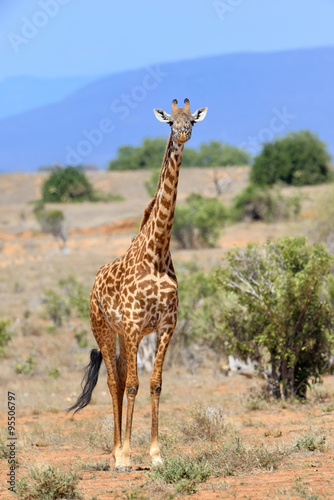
{"x": 199, "y": 221}
{"x": 53, "y": 222}
{"x": 67, "y": 184}
{"x": 281, "y": 315}
{"x": 299, "y": 158}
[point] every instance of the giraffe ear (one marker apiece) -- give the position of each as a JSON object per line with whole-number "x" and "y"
{"x": 200, "y": 114}
{"x": 161, "y": 115}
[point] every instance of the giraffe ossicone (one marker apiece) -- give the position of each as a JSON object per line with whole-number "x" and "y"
{"x": 136, "y": 295}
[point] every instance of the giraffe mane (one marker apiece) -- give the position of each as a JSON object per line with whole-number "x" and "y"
{"x": 149, "y": 208}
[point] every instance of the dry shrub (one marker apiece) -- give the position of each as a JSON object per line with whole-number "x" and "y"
{"x": 48, "y": 483}
{"x": 101, "y": 435}
{"x": 207, "y": 424}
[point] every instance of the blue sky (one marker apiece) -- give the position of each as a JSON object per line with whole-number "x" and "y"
{"x": 50, "y": 38}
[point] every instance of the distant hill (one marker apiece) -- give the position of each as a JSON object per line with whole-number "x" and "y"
{"x": 24, "y": 93}
{"x": 251, "y": 97}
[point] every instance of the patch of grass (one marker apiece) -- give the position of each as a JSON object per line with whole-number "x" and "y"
{"x": 40, "y": 434}
{"x": 3, "y": 443}
{"x": 302, "y": 490}
{"x": 208, "y": 423}
{"x": 183, "y": 472}
{"x": 135, "y": 495}
{"x": 310, "y": 443}
{"x": 5, "y": 335}
{"x": 257, "y": 398}
{"x": 81, "y": 338}
{"x": 248, "y": 422}
{"x": 328, "y": 408}
{"x": 53, "y": 373}
{"x": 101, "y": 465}
{"x": 27, "y": 367}
{"x": 48, "y": 483}
{"x": 233, "y": 457}
{"x": 141, "y": 438}
{"x": 219, "y": 460}
{"x": 101, "y": 435}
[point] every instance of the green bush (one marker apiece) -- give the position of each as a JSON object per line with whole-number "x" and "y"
{"x": 264, "y": 204}
{"x": 151, "y": 183}
{"x": 199, "y": 311}
{"x": 300, "y": 158}
{"x": 67, "y": 184}
{"x": 56, "y": 307}
{"x": 27, "y": 367}
{"x": 73, "y": 296}
{"x": 5, "y": 335}
{"x": 77, "y": 296}
{"x": 281, "y": 314}
{"x": 199, "y": 221}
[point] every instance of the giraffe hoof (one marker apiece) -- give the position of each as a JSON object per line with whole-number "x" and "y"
{"x": 121, "y": 469}
{"x": 156, "y": 461}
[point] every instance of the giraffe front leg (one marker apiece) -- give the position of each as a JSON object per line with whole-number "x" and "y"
{"x": 163, "y": 340}
{"x": 124, "y": 464}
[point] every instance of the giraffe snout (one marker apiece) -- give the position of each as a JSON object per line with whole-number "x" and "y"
{"x": 184, "y": 134}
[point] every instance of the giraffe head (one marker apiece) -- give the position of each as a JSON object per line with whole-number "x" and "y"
{"x": 181, "y": 120}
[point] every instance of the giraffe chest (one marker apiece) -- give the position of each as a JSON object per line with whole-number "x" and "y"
{"x": 139, "y": 297}
{"x": 150, "y": 296}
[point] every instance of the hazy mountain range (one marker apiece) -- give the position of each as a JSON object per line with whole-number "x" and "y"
{"x": 251, "y": 98}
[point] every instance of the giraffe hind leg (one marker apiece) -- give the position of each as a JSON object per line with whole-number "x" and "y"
{"x": 106, "y": 339}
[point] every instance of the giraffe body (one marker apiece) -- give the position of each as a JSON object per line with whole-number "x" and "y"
{"x": 137, "y": 295}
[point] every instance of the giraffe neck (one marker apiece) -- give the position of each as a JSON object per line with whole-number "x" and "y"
{"x": 160, "y": 222}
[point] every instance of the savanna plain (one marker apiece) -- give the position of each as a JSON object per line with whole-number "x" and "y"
{"x": 221, "y": 435}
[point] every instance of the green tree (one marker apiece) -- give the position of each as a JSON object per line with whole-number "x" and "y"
{"x": 199, "y": 221}
{"x": 148, "y": 155}
{"x": 299, "y": 158}
{"x": 220, "y": 154}
{"x": 67, "y": 184}
{"x": 281, "y": 314}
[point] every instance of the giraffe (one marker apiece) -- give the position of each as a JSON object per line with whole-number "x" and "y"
{"x": 136, "y": 295}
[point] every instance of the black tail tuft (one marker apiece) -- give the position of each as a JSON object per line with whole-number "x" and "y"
{"x": 89, "y": 381}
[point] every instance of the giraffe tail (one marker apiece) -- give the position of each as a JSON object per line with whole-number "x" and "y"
{"x": 89, "y": 381}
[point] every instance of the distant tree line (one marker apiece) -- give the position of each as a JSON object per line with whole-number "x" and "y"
{"x": 151, "y": 153}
